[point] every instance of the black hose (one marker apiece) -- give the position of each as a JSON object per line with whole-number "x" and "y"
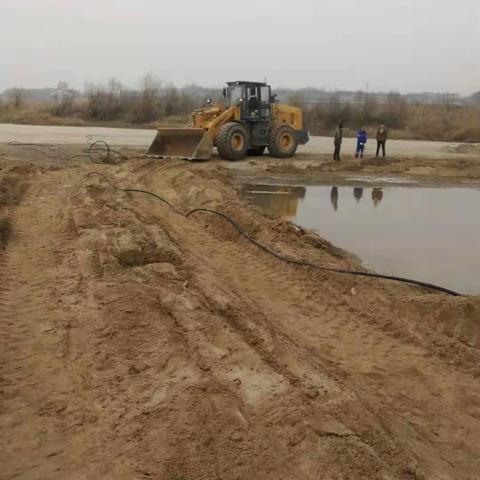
{"x": 306, "y": 263}
{"x": 98, "y": 151}
{"x": 281, "y": 257}
{"x": 97, "y": 142}
{"x": 94, "y": 149}
{"x": 43, "y": 148}
{"x": 158, "y": 197}
{"x": 22, "y": 144}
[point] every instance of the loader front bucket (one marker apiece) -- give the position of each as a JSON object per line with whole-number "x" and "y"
{"x": 186, "y": 143}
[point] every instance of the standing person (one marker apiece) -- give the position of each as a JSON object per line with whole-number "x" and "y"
{"x": 362, "y": 137}
{"x": 382, "y": 137}
{"x": 337, "y": 141}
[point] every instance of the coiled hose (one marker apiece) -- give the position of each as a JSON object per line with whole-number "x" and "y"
{"x": 283, "y": 258}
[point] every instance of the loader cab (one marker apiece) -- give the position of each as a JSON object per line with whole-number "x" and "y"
{"x": 255, "y": 102}
{"x": 254, "y": 99}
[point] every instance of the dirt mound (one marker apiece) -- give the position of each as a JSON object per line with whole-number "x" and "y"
{"x": 168, "y": 347}
{"x": 459, "y": 319}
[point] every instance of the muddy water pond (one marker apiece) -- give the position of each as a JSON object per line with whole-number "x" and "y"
{"x": 431, "y": 234}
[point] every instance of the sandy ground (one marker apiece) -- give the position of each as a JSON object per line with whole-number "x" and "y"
{"x": 457, "y": 169}
{"x": 143, "y": 138}
{"x": 140, "y": 344}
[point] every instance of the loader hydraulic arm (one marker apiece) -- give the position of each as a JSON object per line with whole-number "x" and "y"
{"x": 227, "y": 116}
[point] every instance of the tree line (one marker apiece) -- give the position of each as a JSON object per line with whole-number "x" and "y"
{"x": 155, "y": 101}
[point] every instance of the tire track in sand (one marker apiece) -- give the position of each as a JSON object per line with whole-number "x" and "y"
{"x": 34, "y": 390}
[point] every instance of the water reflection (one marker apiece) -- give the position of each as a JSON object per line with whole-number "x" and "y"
{"x": 283, "y": 199}
{"x": 277, "y": 199}
{"x": 377, "y": 195}
{"x": 334, "y": 198}
{"x": 419, "y": 232}
{"x": 358, "y": 193}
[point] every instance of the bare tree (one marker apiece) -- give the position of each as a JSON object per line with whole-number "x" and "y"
{"x": 296, "y": 100}
{"x": 395, "y": 110}
{"x": 170, "y": 101}
{"x": 64, "y": 98}
{"x": 447, "y": 108}
{"x": 106, "y": 102}
{"x": 16, "y": 97}
{"x": 476, "y": 98}
{"x": 334, "y": 111}
{"x": 147, "y": 107}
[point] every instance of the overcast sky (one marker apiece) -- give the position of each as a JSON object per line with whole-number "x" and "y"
{"x": 405, "y": 45}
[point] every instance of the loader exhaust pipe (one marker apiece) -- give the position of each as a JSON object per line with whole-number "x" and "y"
{"x": 184, "y": 143}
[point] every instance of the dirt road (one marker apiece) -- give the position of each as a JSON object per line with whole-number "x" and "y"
{"x": 141, "y": 344}
{"x": 143, "y": 138}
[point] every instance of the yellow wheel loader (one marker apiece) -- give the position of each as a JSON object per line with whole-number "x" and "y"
{"x": 249, "y": 121}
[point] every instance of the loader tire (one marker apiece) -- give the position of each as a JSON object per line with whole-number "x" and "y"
{"x": 232, "y": 141}
{"x": 255, "y": 151}
{"x": 283, "y": 141}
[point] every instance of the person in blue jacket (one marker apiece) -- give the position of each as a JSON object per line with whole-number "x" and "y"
{"x": 362, "y": 137}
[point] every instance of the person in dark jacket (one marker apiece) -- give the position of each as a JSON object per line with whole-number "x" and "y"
{"x": 382, "y": 137}
{"x": 337, "y": 141}
{"x": 362, "y": 137}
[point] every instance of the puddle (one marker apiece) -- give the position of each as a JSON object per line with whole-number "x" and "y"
{"x": 431, "y": 234}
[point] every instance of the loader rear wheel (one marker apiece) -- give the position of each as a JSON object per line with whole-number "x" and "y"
{"x": 255, "y": 151}
{"x": 283, "y": 142}
{"x": 232, "y": 141}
